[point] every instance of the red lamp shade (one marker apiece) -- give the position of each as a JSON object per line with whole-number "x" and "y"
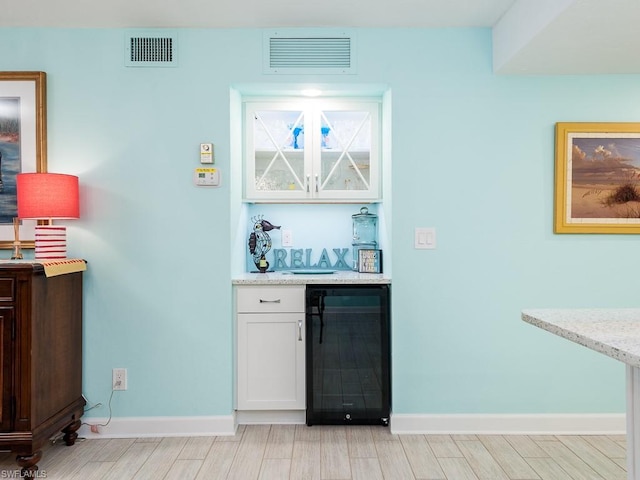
{"x": 47, "y": 195}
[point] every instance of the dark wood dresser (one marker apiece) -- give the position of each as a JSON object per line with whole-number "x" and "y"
{"x": 40, "y": 360}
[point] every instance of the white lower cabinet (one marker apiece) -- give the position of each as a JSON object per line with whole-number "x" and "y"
{"x": 271, "y": 348}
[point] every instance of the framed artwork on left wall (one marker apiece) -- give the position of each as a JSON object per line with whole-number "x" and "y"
{"x": 23, "y": 145}
{"x": 597, "y": 184}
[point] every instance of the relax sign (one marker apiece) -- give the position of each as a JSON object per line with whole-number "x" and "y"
{"x": 303, "y": 258}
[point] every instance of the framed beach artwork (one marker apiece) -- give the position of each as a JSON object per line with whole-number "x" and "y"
{"x": 23, "y": 145}
{"x": 597, "y": 184}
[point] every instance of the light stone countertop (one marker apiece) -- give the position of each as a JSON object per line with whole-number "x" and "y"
{"x": 287, "y": 278}
{"x": 614, "y": 332}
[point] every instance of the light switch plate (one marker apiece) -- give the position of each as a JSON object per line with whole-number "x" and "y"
{"x": 425, "y": 238}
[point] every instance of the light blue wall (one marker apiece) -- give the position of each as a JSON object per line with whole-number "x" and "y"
{"x": 472, "y": 156}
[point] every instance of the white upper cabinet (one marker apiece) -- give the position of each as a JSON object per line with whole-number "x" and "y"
{"x": 312, "y": 150}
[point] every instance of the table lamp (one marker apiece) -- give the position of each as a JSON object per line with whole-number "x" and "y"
{"x": 48, "y": 196}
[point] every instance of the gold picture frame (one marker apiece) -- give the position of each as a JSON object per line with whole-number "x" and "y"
{"x": 597, "y": 178}
{"x": 23, "y": 138}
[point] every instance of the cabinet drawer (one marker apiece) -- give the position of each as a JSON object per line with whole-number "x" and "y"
{"x": 6, "y": 289}
{"x": 268, "y": 299}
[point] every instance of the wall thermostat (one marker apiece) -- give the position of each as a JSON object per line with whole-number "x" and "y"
{"x": 206, "y": 177}
{"x": 206, "y": 153}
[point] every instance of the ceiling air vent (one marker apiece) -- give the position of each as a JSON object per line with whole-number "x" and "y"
{"x": 299, "y": 51}
{"x": 151, "y": 49}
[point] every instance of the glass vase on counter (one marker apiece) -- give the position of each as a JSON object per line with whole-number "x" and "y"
{"x": 365, "y": 233}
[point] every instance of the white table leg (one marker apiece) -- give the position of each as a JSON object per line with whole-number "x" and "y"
{"x": 633, "y": 423}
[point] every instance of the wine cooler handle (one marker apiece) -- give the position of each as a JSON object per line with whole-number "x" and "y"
{"x": 299, "y": 330}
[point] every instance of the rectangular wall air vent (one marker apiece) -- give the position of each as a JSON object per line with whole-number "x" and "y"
{"x": 151, "y": 49}
{"x": 299, "y": 51}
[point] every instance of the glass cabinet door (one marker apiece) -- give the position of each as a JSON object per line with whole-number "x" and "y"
{"x": 345, "y": 151}
{"x": 308, "y": 150}
{"x": 276, "y": 145}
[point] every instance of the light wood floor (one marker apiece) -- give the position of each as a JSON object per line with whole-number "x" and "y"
{"x": 323, "y": 452}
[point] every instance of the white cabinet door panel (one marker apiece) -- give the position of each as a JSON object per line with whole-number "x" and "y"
{"x": 271, "y": 361}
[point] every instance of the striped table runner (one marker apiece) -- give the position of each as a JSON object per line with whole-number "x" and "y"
{"x": 62, "y": 266}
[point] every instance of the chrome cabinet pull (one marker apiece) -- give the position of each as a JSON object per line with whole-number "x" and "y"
{"x": 308, "y": 182}
{"x": 316, "y": 183}
{"x": 299, "y": 330}
{"x": 270, "y": 301}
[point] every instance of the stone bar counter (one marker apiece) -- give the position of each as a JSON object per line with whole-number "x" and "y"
{"x": 612, "y": 332}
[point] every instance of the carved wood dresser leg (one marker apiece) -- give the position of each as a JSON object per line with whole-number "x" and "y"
{"x": 28, "y": 464}
{"x": 70, "y": 434}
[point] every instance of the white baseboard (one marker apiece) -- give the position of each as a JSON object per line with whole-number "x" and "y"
{"x": 540, "y": 424}
{"x": 135, "y": 427}
{"x": 224, "y": 425}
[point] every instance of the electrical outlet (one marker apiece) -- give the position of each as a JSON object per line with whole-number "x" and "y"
{"x": 287, "y": 238}
{"x": 119, "y": 379}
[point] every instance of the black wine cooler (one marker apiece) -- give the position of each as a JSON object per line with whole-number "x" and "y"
{"x": 348, "y": 354}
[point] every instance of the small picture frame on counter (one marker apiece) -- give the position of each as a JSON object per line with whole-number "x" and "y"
{"x": 369, "y": 261}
